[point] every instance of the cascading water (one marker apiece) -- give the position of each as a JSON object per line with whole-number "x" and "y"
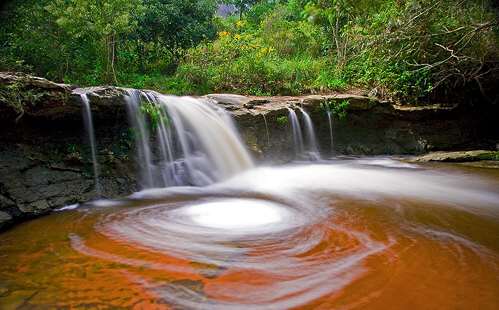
{"x": 330, "y": 121}
{"x": 297, "y": 133}
{"x": 141, "y": 136}
{"x": 196, "y": 141}
{"x": 312, "y": 149}
{"x": 304, "y": 148}
{"x": 266, "y": 129}
{"x": 89, "y": 126}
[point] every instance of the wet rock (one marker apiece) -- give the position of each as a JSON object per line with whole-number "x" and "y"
{"x": 5, "y": 202}
{"x": 229, "y": 99}
{"x": 37, "y": 207}
{"x": 5, "y": 218}
{"x": 187, "y": 289}
{"x": 3, "y": 291}
{"x": 459, "y": 157}
{"x": 39, "y": 97}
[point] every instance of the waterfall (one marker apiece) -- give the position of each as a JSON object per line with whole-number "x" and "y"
{"x": 266, "y": 129}
{"x": 196, "y": 141}
{"x": 308, "y": 150}
{"x": 330, "y": 120}
{"x": 297, "y": 133}
{"x": 89, "y": 127}
{"x": 141, "y": 135}
{"x": 312, "y": 149}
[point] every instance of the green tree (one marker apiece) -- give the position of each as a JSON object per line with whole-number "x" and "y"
{"x": 31, "y": 41}
{"x": 174, "y": 25}
{"x": 334, "y": 15}
{"x": 241, "y": 5}
{"x": 105, "y": 21}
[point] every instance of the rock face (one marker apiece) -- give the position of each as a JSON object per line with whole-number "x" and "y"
{"x": 371, "y": 126}
{"x": 45, "y": 159}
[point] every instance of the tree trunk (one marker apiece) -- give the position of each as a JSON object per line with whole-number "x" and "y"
{"x": 110, "y": 73}
{"x": 113, "y": 57}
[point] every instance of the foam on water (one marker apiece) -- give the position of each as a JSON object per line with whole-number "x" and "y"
{"x": 237, "y": 215}
{"x": 286, "y": 237}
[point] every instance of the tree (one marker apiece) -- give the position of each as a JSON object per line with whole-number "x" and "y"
{"x": 175, "y": 24}
{"x": 102, "y": 20}
{"x": 31, "y": 41}
{"x": 333, "y": 15}
{"x": 241, "y": 5}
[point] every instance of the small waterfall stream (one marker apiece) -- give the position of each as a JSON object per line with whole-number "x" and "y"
{"x": 189, "y": 141}
{"x": 196, "y": 144}
{"x": 304, "y": 148}
{"x": 141, "y": 135}
{"x": 330, "y": 121}
{"x": 297, "y": 133}
{"x": 89, "y": 127}
{"x": 266, "y": 129}
{"x": 312, "y": 149}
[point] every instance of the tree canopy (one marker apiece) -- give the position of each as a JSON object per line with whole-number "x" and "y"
{"x": 405, "y": 49}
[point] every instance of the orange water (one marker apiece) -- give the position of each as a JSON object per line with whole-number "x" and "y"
{"x": 434, "y": 256}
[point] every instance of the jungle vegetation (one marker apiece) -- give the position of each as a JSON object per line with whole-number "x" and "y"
{"x": 410, "y": 50}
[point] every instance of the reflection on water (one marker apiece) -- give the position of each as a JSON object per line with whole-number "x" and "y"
{"x": 352, "y": 234}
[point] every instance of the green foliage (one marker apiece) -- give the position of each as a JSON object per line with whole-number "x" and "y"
{"x": 101, "y": 41}
{"x": 282, "y": 120}
{"x": 490, "y": 156}
{"x": 337, "y": 108}
{"x": 405, "y": 50}
{"x": 401, "y": 49}
{"x": 279, "y": 56}
{"x": 15, "y": 96}
{"x": 155, "y": 114}
{"x": 410, "y": 49}
{"x": 241, "y": 5}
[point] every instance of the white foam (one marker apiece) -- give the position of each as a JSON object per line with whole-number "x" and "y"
{"x": 236, "y": 214}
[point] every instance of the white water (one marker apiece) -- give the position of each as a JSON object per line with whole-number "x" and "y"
{"x": 266, "y": 129}
{"x": 305, "y": 147}
{"x": 141, "y": 136}
{"x": 312, "y": 148}
{"x": 330, "y": 121}
{"x": 197, "y": 143}
{"x": 297, "y": 133}
{"x": 237, "y": 215}
{"x": 89, "y": 126}
{"x": 285, "y": 212}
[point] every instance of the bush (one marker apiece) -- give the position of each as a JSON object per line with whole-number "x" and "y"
{"x": 406, "y": 50}
{"x": 278, "y": 57}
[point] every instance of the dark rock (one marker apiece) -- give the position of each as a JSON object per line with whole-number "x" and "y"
{"x": 5, "y": 218}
